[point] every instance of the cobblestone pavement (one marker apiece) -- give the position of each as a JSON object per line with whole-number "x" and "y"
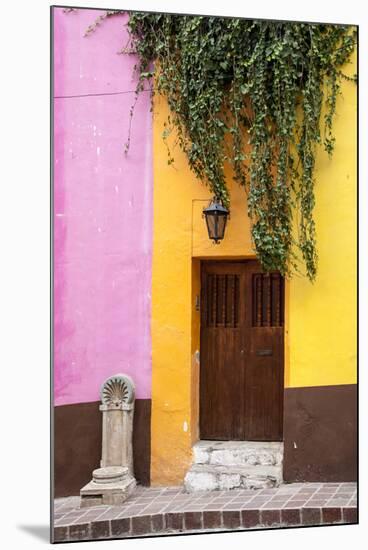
{"x": 156, "y": 511}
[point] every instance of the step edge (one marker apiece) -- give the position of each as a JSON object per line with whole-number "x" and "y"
{"x": 235, "y": 469}
{"x": 209, "y": 443}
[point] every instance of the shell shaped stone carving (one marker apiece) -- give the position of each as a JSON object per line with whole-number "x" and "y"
{"x": 117, "y": 390}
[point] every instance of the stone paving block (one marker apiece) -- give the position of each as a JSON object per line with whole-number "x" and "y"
{"x": 120, "y": 527}
{"x": 61, "y": 534}
{"x": 212, "y": 519}
{"x": 311, "y": 516}
{"x": 174, "y": 521}
{"x": 193, "y": 520}
{"x": 285, "y": 489}
{"x": 272, "y": 506}
{"x": 338, "y": 501}
{"x": 318, "y": 503}
{"x": 350, "y": 515}
{"x": 270, "y": 517}
{"x": 193, "y": 508}
{"x": 158, "y": 522}
{"x": 74, "y": 514}
{"x": 290, "y": 516}
{"x": 109, "y": 514}
{"x": 62, "y": 522}
{"x": 250, "y": 505}
{"x": 231, "y": 519}
{"x": 141, "y": 525}
{"x": 239, "y": 500}
{"x": 231, "y": 506}
{"x": 74, "y": 502}
{"x": 155, "y": 509}
{"x": 331, "y": 515}
{"x": 258, "y": 502}
{"x": 250, "y": 518}
{"x": 135, "y": 510}
{"x": 280, "y": 498}
{"x": 294, "y": 504}
{"x": 143, "y": 500}
{"x": 93, "y": 513}
{"x": 100, "y": 529}
{"x": 212, "y": 507}
{"x": 79, "y": 532}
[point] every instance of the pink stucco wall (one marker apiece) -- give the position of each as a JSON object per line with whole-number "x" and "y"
{"x": 102, "y": 212}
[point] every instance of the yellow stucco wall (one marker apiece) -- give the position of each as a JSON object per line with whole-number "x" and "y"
{"x": 322, "y": 317}
{"x": 320, "y": 331}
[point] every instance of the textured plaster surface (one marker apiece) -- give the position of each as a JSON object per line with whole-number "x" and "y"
{"x": 102, "y": 212}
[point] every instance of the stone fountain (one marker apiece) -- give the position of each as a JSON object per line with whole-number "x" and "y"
{"x": 114, "y": 481}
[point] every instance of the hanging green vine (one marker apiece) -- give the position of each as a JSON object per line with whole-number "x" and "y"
{"x": 250, "y": 93}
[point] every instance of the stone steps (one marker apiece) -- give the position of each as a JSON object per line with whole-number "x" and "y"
{"x": 222, "y": 465}
{"x": 238, "y": 453}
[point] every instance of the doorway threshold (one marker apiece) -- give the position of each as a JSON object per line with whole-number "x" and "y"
{"x": 219, "y": 465}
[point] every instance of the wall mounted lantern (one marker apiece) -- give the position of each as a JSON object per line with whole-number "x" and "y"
{"x": 216, "y": 216}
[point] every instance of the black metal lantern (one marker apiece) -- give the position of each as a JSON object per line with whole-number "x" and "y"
{"x": 216, "y": 217}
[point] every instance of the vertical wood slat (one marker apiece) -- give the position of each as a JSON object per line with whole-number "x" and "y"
{"x": 203, "y": 304}
{"x": 259, "y": 300}
{"x": 281, "y": 301}
{"x": 214, "y": 301}
{"x": 277, "y": 295}
{"x": 264, "y": 300}
{"x": 267, "y": 296}
{"x": 254, "y": 300}
{"x": 234, "y": 302}
{"x": 229, "y": 300}
{"x": 221, "y": 300}
{"x": 209, "y": 301}
{"x": 224, "y": 296}
{"x": 268, "y": 299}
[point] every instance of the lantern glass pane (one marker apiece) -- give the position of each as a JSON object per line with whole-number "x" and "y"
{"x": 210, "y": 220}
{"x": 221, "y": 227}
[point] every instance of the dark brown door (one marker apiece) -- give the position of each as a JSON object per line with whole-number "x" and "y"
{"x": 242, "y": 352}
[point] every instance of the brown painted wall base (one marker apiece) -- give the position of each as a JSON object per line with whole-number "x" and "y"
{"x": 320, "y": 433}
{"x": 320, "y": 438}
{"x": 77, "y": 444}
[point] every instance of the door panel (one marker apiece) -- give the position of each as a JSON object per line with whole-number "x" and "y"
{"x": 222, "y": 319}
{"x": 241, "y": 381}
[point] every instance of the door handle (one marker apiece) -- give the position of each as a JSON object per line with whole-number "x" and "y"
{"x": 264, "y": 352}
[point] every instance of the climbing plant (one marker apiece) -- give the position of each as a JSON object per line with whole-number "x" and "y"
{"x": 250, "y": 94}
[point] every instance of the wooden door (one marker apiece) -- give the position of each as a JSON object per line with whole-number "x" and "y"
{"x": 241, "y": 353}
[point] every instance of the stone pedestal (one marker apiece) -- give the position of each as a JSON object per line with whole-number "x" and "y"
{"x": 111, "y": 485}
{"x": 114, "y": 481}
